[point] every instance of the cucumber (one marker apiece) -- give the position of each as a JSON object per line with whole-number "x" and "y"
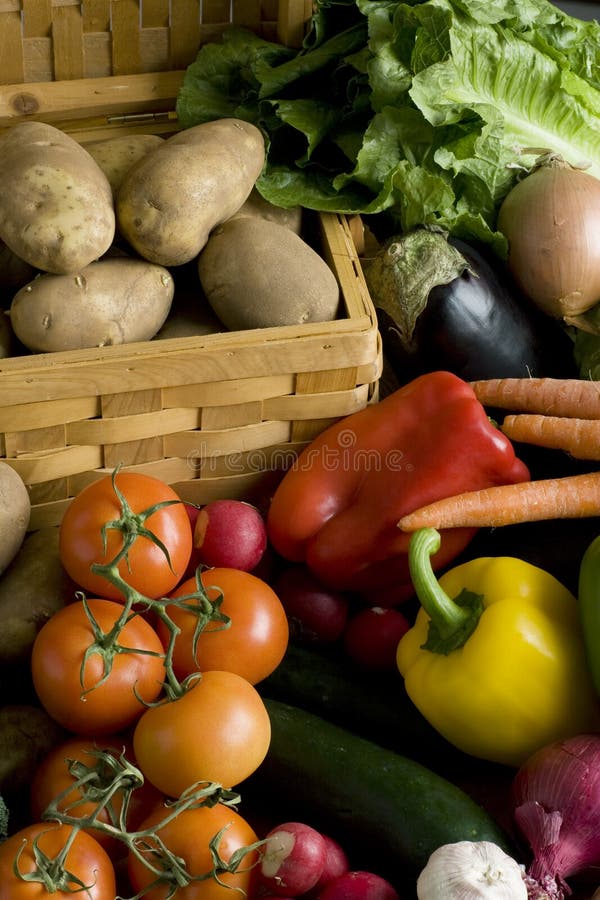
{"x": 372, "y": 704}
{"x": 391, "y": 812}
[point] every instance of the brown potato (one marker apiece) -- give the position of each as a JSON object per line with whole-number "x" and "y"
{"x": 112, "y": 301}
{"x": 15, "y": 512}
{"x": 33, "y": 587}
{"x": 56, "y": 204}
{"x": 256, "y": 205}
{"x": 171, "y": 200}
{"x": 257, "y": 274}
{"x": 116, "y": 155}
{"x": 27, "y": 734}
{"x": 191, "y": 313}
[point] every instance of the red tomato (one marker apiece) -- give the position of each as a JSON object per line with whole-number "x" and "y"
{"x": 86, "y": 860}
{"x": 107, "y": 707}
{"x": 188, "y": 836}
{"x": 252, "y": 645}
{"x": 53, "y": 778}
{"x": 149, "y": 570}
{"x": 219, "y": 730}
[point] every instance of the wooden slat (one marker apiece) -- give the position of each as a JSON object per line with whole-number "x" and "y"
{"x": 234, "y": 416}
{"x": 155, "y": 13}
{"x": 229, "y": 440}
{"x": 185, "y": 33}
{"x": 124, "y": 444}
{"x": 126, "y": 37}
{"x": 132, "y": 428}
{"x": 238, "y": 485}
{"x": 216, "y": 362}
{"x": 67, "y": 34}
{"x": 35, "y": 439}
{"x": 80, "y": 99}
{"x": 316, "y": 406}
{"x": 247, "y": 15}
{"x": 11, "y": 47}
{"x": 42, "y": 467}
{"x": 96, "y": 15}
{"x": 293, "y": 17}
{"x": 43, "y": 415}
{"x": 37, "y": 18}
{"x": 54, "y": 490}
{"x": 224, "y": 393}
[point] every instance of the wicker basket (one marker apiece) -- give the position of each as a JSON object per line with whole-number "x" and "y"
{"x": 218, "y": 415}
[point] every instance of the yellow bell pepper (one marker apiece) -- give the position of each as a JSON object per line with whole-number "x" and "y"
{"x": 495, "y": 660}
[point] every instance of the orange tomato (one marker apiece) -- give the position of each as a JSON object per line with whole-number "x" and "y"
{"x": 188, "y": 836}
{"x": 149, "y": 571}
{"x": 255, "y": 640}
{"x": 108, "y": 705}
{"x": 219, "y": 730}
{"x": 86, "y": 860}
{"x": 53, "y": 779}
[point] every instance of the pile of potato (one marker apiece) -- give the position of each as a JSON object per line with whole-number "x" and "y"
{"x": 97, "y": 241}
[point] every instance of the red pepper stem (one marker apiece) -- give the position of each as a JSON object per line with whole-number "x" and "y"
{"x": 452, "y": 620}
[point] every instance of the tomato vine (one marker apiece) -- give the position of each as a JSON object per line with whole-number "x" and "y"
{"x": 111, "y": 774}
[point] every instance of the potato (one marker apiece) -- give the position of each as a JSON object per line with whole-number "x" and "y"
{"x": 170, "y": 200}
{"x": 256, "y": 205}
{"x": 15, "y": 512}
{"x": 33, "y": 587}
{"x": 116, "y": 155}
{"x": 56, "y": 204}
{"x": 112, "y": 301}
{"x": 27, "y": 734}
{"x": 191, "y": 313}
{"x": 257, "y": 273}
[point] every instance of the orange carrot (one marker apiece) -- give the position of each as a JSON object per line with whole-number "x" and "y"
{"x": 579, "y": 437}
{"x": 571, "y": 497}
{"x": 573, "y": 397}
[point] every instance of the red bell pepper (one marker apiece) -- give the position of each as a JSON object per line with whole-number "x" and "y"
{"x": 337, "y": 507}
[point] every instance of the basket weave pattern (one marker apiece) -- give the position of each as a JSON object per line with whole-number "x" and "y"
{"x": 55, "y": 40}
{"x": 213, "y": 415}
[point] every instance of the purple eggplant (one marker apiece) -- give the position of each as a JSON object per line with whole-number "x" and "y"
{"x": 445, "y": 304}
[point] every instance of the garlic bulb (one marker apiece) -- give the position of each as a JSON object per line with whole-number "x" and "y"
{"x": 471, "y": 869}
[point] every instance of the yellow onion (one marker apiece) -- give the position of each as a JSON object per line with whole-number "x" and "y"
{"x": 551, "y": 220}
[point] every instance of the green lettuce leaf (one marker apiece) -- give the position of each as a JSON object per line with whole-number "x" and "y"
{"x": 411, "y": 113}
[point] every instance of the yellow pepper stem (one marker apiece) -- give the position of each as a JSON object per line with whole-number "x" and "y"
{"x": 452, "y": 620}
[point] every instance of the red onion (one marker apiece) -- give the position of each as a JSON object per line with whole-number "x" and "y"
{"x": 556, "y": 804}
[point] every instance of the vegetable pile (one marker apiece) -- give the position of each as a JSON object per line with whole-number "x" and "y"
{"x": 382, "y": 681}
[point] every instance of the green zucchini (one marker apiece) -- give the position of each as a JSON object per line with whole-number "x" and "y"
{"x": 373, "y": 704}
{"x": 391, "y": 812}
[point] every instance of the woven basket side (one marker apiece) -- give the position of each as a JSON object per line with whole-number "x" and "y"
{"x": 59, "y": 40}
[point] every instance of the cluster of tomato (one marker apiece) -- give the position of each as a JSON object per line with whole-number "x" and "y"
{"x": 157, "y": 663}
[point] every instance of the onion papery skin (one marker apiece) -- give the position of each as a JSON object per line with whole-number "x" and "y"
{"x": 551, "y": 220}
{"x": 556, "y": 805}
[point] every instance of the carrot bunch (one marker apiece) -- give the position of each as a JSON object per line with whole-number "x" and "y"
{"x": 561, "y": 414}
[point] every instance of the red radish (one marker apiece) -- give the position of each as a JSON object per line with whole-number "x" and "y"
{"x": 316, "y": 614}
{"x": 336, "y": 864}
{"x": 359, "y": 886}
{"x": 371, "y": 637}
{"x": 230, "y": 533}
{"x": 293, "y": 859}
